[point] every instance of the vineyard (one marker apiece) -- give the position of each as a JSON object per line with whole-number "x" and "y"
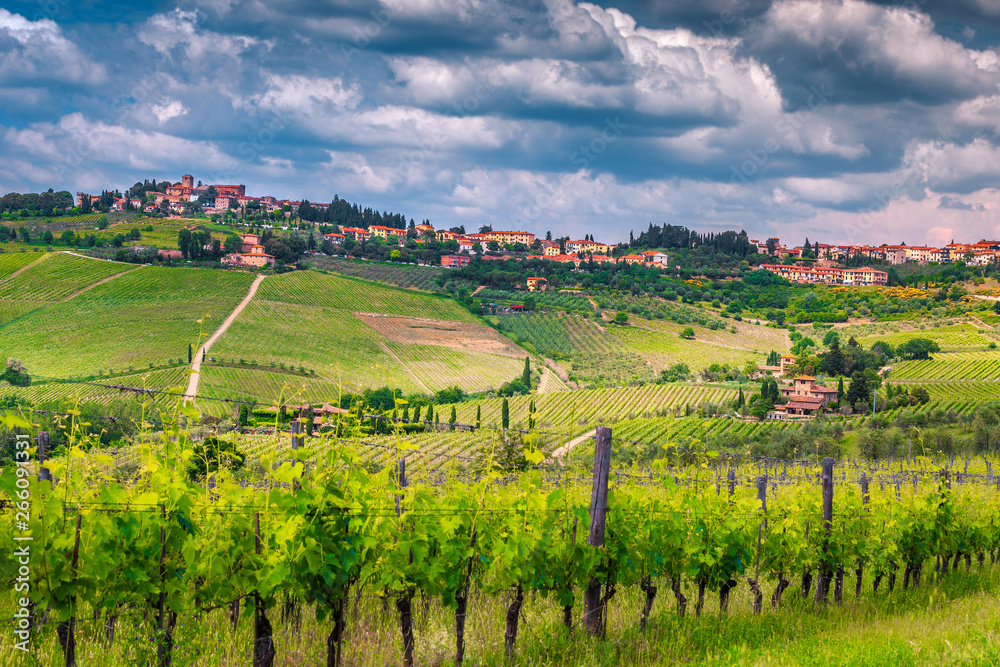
{"x": 58, "y": 276}
{"x": 956, "y": 337}
{"x": 145, "y": 317}
{"x": 11, "y": 262}
{"x": 310, "y": 288}
{"x": 408, "y": 276}
{"x": 953, "y": 366}
{"x": 164, "y": 566}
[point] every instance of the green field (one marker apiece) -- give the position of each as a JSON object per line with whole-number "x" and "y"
{"x": 408, "y": 276}
{"x": 147, "y": 316}
{"x": 172, "y": 378}
{"x": 307, "y": 320}
{"x": 11, "y": 262}
{"x": 310, "y": 288}
{"x": 952, "y": 337}
{"x": 58, "y": 276}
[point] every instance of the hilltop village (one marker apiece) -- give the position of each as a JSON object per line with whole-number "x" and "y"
{"x": 816, "y": 263}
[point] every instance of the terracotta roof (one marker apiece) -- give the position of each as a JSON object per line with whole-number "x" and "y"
{"x": 801, "y": 406}
{"x": 805, "y": 377}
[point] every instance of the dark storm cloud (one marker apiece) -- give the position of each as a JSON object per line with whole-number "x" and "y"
{"x": 597, "y": 118}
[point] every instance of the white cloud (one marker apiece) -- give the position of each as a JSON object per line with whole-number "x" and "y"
{"x": 168, "y": 109}
{"x": 164, "y": 32}
{"x": 77, "y": 143}
{"x": 38, "y": 50}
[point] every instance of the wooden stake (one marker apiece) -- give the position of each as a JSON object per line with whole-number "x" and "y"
{"x": 592, "y": 611}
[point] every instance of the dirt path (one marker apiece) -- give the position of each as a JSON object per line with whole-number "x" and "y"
{"x": 478, "y": 290}
{"x": 192, "y": 389}
{"x": 980, "y": 322}
{"x": 100, "y": 282}
{"x": 25, "y": 267}
{"x": 413, "y": 376}
{"x": 560, "y": 453}
{"x": 96, "y": 259}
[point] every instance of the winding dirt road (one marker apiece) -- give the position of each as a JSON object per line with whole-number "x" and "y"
{"x": 192, "y": 388}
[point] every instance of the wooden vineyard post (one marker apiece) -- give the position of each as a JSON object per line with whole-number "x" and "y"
{"x": 592, "y": 604}
{"x": 825, "y": 572}
{"x": 404, "y": 603}
{"x": 263, "y": 638}
{"x": 758, "y": 597}
{"x": 67, "y": 629}
{"x": 731, "y": 477}
{"x": 43, "y": 448}
{"x": 860, "y": 569}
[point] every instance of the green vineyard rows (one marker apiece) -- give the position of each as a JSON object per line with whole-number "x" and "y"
{"x": 57, "y": 276}
{"x": 951, "y": 366}
{"x": 315, "y": 289}
{"x": 317, "y": 535}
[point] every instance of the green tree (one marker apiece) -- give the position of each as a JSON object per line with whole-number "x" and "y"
{"x": 830, "y": 337}
{"x": 840, "y": 390}
{"x": 190, "y": 353}
{"x": 453, "y": 418}
{"x": 430, "y": 413}
{"x": 833, "y": 359}
{"x": 479, "y": 416}
{"x": 232, "y": 244}
{"x": 505, "y": 414}
{"x": 773, "y": 359}
{"x": 996, "y": 307}
{"x": 740, "y": 400}
{"x": 688, "y": 333}
{"x": 621, "y": 318}
{"x": 526, "y": 373}
{"x": 47, "y": 237}
{"x": 860, "y": 390}
{"x": 15, "y": 373}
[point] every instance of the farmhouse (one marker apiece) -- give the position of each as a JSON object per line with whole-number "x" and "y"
{"x": 537, "y": 284}
{"x": 253, "y": 254}
{"x": 805, "y": 397}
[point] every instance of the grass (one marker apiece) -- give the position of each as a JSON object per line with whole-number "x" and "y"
{"x": 952, "y": 622}
{"x": 951, "y": 337}
{"x": 983, "y": 365}
{"x": 407, "y": 276}
{"x": 307, "y": 319}
{"x": 11, "y": 262}
{"x": 664, "y": 348}
{"x": 147, "y": 316}
{"x": 310, "y": 288}
{"x": 58, "y": 276}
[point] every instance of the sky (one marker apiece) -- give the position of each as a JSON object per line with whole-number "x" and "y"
{"x": 843, "y": 121}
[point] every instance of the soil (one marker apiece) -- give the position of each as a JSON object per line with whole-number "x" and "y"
{"x": 458, "y": 335}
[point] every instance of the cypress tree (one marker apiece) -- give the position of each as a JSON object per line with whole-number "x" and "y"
{"x": 190, "y": 353}
{"x": 406, "y": 412}
{"x": 479, "y": 415}
{"x": 416, "y": 414}
{"x": 453, "y": 418}
{"x": 840, "y": 390}
{"x": 740, "y": 401}
{"x": 526, "y": 375}
{"x": 430, "y": 413}
{"x": 505, "y": 415}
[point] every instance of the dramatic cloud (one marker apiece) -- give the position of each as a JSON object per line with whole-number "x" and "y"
{"x": 843, "y": 120}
